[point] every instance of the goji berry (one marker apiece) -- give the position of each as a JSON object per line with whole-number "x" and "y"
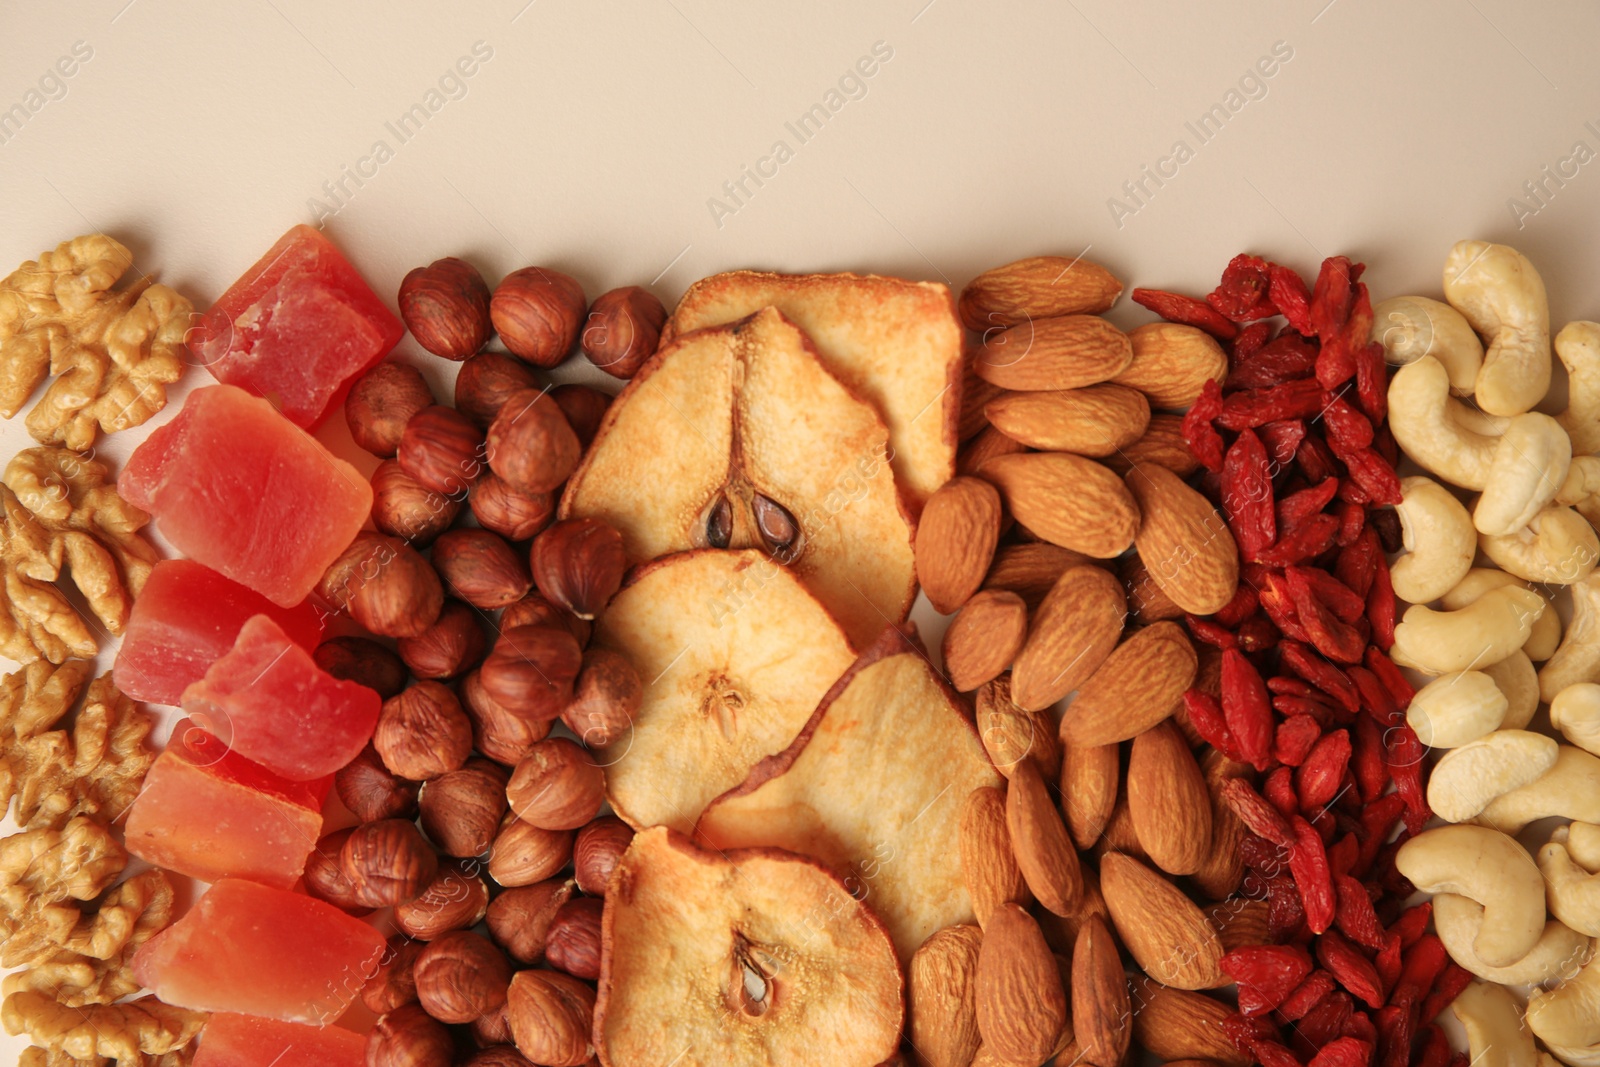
{"x": 1412, "y": 923}
{"x": 1262, "y": 855}
{"x": 1355, "y": 914}
{"x": 1241, "y": 607}
{"x": 1385, "y": 445}
{"x": 1384, "y": 871}
{"x": 1243, "y": 289}
{"x": 1247, "y": 495}
{"x": 1286, "y": 912}
{"x": 1285, "y": 358}
{"x": 1278, "y": 788}
{"x": 1330, "y": 635}
{"x": 1434, "y": 1048}
{"x": 1380, "y": 606}
{"x": 1372, "y": 381}
{"x": 1386, "y": 521}
{"x": 1396, "y": 1024}
{"x": 1358, "y": 562}
{"x": 1201, "y": 437}
{"x": 1174, "y": 307}
{"x": 1323, "y": 711}
{"x": 1251, "y": 339}
{"x": 1461, "y": 1059}
{"x": 1273, "y": 1054}
{"x": 1206, "y": 716}
{"x": 1282, "y": 438}
{"x": 1246, "y": 708}
{"x": 1359, "y": 1026}
{"x": 1403, "y": 756}
{"x": 1446, "y": 989}
{"x": 1352, "y": 520}
{"x": 1258, "y": 816}
{"x": 1346, "y": 604}
{"x": 1289, "y": 293}
{"x": 1308, "y": 862}
{"x": 1387, "y": 673}
{"x": 1341, "y": 857}
{"x": 1421, "y": 965}
{"x": 1295, "y": 738}
{"x": 1375, "y": 698}
{"x": 1348, "y": 429}
{"x": 1327, "y": 1020}
{"x": 1332, "y": 297}
{"x": 1308, "y": 542}
{"x": 1350, "y": 968}
{"x": 1266, "y": 974}
{"x": 1317, "y": 781}
{"x": 1367, "y": 759}
{"x": 1306, "y": 995}
{"x": 1315, "y": 459}
{"x": 1257, "y": 634}
{"x": 1343, "y": 1052}
{"x": 1248, "y": 408}
{"x": 1278, "y": 605}
{"x": 1320, "y": 673}
{"x": 1374, "y": 474}
{"x": 1352, "y": 492}
{"x": 1379, "y": 817}
{"x": 1297, "y": 509}
{"x": 1212, "y": 633}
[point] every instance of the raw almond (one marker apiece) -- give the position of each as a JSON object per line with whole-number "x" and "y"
{"x": 1089, "y": 781}
{"x": 1172, "y": 363}
{"x": 1039, "y": 840}
{"x": 975, "y": 393}
{"x": 1176, "y": 1025}
{"x": 1220, "y": 876}
{"x": 1241, "y": 922}
{"x": 1100, "y": 1007}
{"x": 1146, "y": 600}
{"x": 1097, "y": 420}
{"x": 1120, "y": 835}
{"x": 1133, "y": 689}
{"x": 988, "y": 866}
{"x": 1036, "y": 288}
{"x": 1067, "y": 500}
{"x": 1166, "y": 933}
{"x": 1168, "y": 800}
{"x": 1061, "y": 931}
{"x": 956, "y": 536}
{"x": 1029, "y": 570}
{"x": 1066, "y": 352}
{"x": 983, "y": 638}
{"x": 1183, "y": 541}
{"x": 1160, "y": 445}
{"x": 988, "y": 444}
{"x": 942, "y": 997}
{"x": 1021, "y": 1005}
{"x": 1010, "y": 734}
{"x": 1074, "y": 630}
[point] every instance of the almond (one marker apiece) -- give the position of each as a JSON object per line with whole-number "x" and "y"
{"x": 1067, "y": 500}
{"x": 1039, "y": 840}
{"x": 988, "y": 444}
{"x": 1061, "y": 931}
{"x": 1010, "y": 734}
{"x": 1029, "y": 570}
{"x": 1168, "y": 800}
{"x": 1021, "y": 1005}
{"x": 1146, "y": 600}
{"x": 1089, "y": 780}
{"x": 1241, "y": 922}
{"x": 1172, "y": 363}
{"x": 1160, "y": 445}
{"x": 942, "y": 997}
{"x": 988, "y": 866}
{"x": 1100, "y": 1008}
{"x": 1220, "y": 876}
{"x": 1097, "y": 420}
{"x": 1036, "y": 288}
{"x": 1133, "y": 689}
{"x": 1074, "y": 630}
{"x": 1066, "y": 352}
{"x": 1120, "y": 834}
{"x": 983, "y": 638}
{"x": 1173, "y": 1025}
{"x": 975, "y": 393}
{"x": 955, "y": 541}
{"x": 1166, "y": 933}
{"x": 1182, "y": 540}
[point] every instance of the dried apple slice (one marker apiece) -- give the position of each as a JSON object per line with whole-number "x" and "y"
{"x": 734, "y": 653}
{"x": 753, "y": 957}
{"x": 738, "y": 437}
{"x": 874, "y": 786}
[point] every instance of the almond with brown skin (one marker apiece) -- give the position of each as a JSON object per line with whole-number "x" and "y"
{"x": 975, "y": 393}
{"x": 1090, "y": 775}
{"x": 1146, "y": 600}
{"x": 1021, "y": 1005}
{"x": 983, "y": 638}
{"x": 1036, "y": 288}
{"x": 1168, "y": 800}
{"x": 1185, "y": 544}
{"x": 1241, "y": 922}
{"x": 942, "y": 997}
{"x": 1120, "y": 835}
{"x": 1097, "y": 420}
{"x": 1160, "y": 445}
{"x": 1133, "y": 689}
{"x": 1222, "y": 872}
{"x": 1010, "y": 734}
{"x": 1044, "y": 853}
{"x": 1067, "y": 500}
{"x": 1031, "y": 569}
{"x": 988, "y": 866}
{"x": 1062, "y": 352}
{"x": 988, "y": 444}
{"x": 1166, "y": 933}
{"x": 1074, "y": 630}
{"x": 1061, "y": 931}
{"x": 1175, "y": 1025}
{"x": 1100, "y": 1008}
{"x": 1172, "y": 363}
{"x": 955, "y": 541}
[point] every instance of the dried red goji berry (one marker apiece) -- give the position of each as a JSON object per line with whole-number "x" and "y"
{"x": 1352, "y": 492}
{"x": 1316, "y": 460}
{"x": 1355, "y": 915}
{"x": 1257, "y": 634}
{"x": 1352, "y": 520}
{"x": 1387, "y": 673}
{"x": 1379, "y": 817}
{"x": 1350, "y": 968}
{"x": 1282, "y": 438}
{"x": 1380, "y": 606}
{"x": 1247, "y": 495}
{"x": 1308, "y": 862}
{"x": 1346, "y": 605}
{"x": 1294, "y": 739}
{"x": 1367, "y": 759}
{"x": 1202, "y": 438}
{"x": 1175, "y": 307}
{"x": 1358, "y": 562}
{"x": 1460, "y": 1059}
{"x": 1372, "y": 381}
{"x": 1246, "y": 708}
{"x": 1260, "y": 817}
{"x": 1332, "y": 296}
{"x": 1348, "y": 429}
{"x": 1251, "y": 339}
{"x": 1342, "y": 856}
{"x": 1278, "y": 605}
{"x": 1317, "y": 781}
{"x": 1286, "y": 912}
{"x": 1308, "y": 542}
{"x": 1241, "y": 607}
{"x": 1396, "y": 1024}
{"x": 1289, "y": 293}
{"x": 1274, "y": 1054}
{"x": 1385, "y": 445}
{"x": 1328, "y": 1019}
{"x": 1329, "y": 634}
{"x": 1387, "y": 522}
{"x": 1374, "y": 474}
{"x": 1243, "y": 289}
{"x": 1343, "y": 1052}
{"x": 1320, "y": 673}
{"x": 1286, "y": 358}
{"x": 1403, "y": 755}
{"x": 1206, "y": 716}
{"x": 1262, "y": 855}
{"x": 1421, "y": 966}
{"x": 1434, "y": 1048}
{"x": 1446, "y": 989}
{"x": 1266, "y": 974}
{"x": 1297, "y": 509}
{"x": 1289, "y": 685}
{"x": 1384, "y": 871}
{"x": 1278, "y": 788}
{"x": 1412, "y": 923}
{"x": 1375, "y": 698}
{"x": 1255, "y": 407}
{"x": 1306, "y": 995}
{"x": 1212, "y": 633}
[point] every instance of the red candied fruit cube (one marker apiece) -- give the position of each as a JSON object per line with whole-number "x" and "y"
{"x": 233, "y": 1040}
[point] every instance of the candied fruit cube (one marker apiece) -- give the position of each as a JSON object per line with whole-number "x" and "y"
{"x": 233, "y": 1040}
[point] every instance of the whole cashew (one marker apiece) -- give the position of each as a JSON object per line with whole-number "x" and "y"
{"x": 1529, "y": 467}
{"x": 1578, "y": 658}
{"x": 1503, "y": 297}
{"x": 1486, "y": 631}
{"x": 1572, "y": 1057}
{"x": 1410, "y": 327}
{"x": 1546, "y": 633}
{"x": 1486, "y": 866}
{"x": 1583, "y": 844}
{"x": 1578, "y": 345}
{"x": 1454, "y": 709}
{"x": 1568, "y": 1016}
{"x": 1429, "y": 426}
{"x": 1517, "y": 679}
{"x": 1466, "y": 779}
{"x": 1492, "y": 1018}
{"x": 1559, "y": 950}
{"x": 1576, "y": 713}
{"x": 1570, "y": 789}
{"x": 1439, "y": 541}
{"x": 1583, "y": 478}
{"x": 1572, "y": 893}
{"x": 1558, "y": 547}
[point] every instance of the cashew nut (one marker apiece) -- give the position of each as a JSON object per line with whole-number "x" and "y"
{"x": 1410, "y": 327}
{"x": 1572, "y": 893}
{"x": 1578, "y": 658}
{"x": 1583, "y": 478}
{"x": 1558, "y": 547}
{"x": 1578, "y": 345}
{"x": 1568, "y": 1016}
{"x": 1502, "y": 296}
{"x": 1439, "y": 541}
{"x": 1559, "y": 950}
{"x": 1466, "y": 779}
{"x": 1486, "y": 631}
{"x": 1528, "y": 469}
{"x": 1572, "y": 1057}
{"x": 1486, "y": 866}
{"x": 1492, "y": 1017}
{"x": 1576, "y": 713}
{"x": 1430, "y": 427}
{"x": 1570, "y": 789}
{"x": 1454, "y": 709}
{"x": 1517, "y": 679}
{"x": 1479, "y": 580}
{"x": 1583, "y": 844}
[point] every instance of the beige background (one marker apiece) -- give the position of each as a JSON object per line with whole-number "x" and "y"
{"x": 595, "y": 137}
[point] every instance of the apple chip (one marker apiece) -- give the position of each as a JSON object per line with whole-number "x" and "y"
{"x": 755, "y": 957}
{"x": 734, "y": 654}
{"x": 738, "y": 437}
{"x": 895, "y": 342}
{"x": 873, "y": 785}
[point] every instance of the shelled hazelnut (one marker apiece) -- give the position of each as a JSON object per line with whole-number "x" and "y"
{"x": 387, "y": 862}
{"x": 453, "y": 644}
{"x": 486, "y": 380}
{"x": 402, "y": 507}
{"x": 584, "y": 407}
{"x": 364, "y": 661}
{"x": 502, "y": 735}
{"x": 524, "y": 854}
{"x": 492, "y": 1030}
{"x": 481, "y": 568}
{"x": 410, "y": 1037}
{"x": 325, "y": 878}
{"x": 552, "y": 1015}
{"x": 443, "y": 450}
{"x": 385, "y": 585}
{"x": 393, "y": 985}
{"x": 578, "y": 565}
{"x": 423, "y": 733}
{"x": 537, "y": 312}
{"x": 573, "y": 943}
{"x": 372, "y": 792}
{"x": 531, "y": 445}
{"x": 531, "y": 669}
{"x": 596, "y": 852}
{"x": 497, "y": 1056}
{"x": 519, "y": 918}
{"x": 380, "y": 404}
{"x": 535, "y": 610}
{"x": 605, "y": 698}
{"x": 462, "y": 809}
{"x": 445, "y": 305}
{"x": 557, "y": 786}
{"x": 511, "y": 513}
{"x": 623, "y": 330}
{"x": 460, "y": 976}
{"x": 456, "y": 899}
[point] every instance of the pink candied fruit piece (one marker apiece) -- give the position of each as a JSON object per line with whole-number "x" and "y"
{"x": 256, "y": 950}
{"x": 269, "y": 700}
{"x": 239, "y": 488}
{"x": 233, "y": 1040}
{"x": 186, "y": 617}
{"x": 210, "y": 813}
{"x": 297, "y": 328}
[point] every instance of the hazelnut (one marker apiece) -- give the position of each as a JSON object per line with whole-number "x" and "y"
{"x": 598, "y": 849}
{"x": 531, "y": 444}
{"x": 325, "y": 878}
{"x": 364, "y": 661}
{"x": 456, "y": 899}
{"x": 403, "y": 508}
{"x": 380, "y": 404}
{"x": 410, "y": 1037}
{"x": 481, "y": 568}
{"x": 461, "y": 810}
{"x": 372, "y": 792}
{"x": 535, "y": 610}
{"x": 384, "y": 585}
{"x": 537, "y": 312}
{"x": 574, "y": 940}
{"x": 387, "y": 862}
{"x": 519, "y": 919}
{"x": 445, "y": 305}
{"x": 524, "y": 854}
{"x": 460, "y": 976}
{"x": 443, "y": 450}
{"x": 484, "y": 382}
{"x": 623, "y": 330}
{"x": 605, "y": 698}
{"x": 584, "y": 408}
{"x": 497, "y": 1055}
{"x": 393, "y": 985}
{"x": 557, "y": 786}
{"x": 496, "y": 732}
{"x": 551, "y": 1015}
{"x": 453, "y": 644}
{"x": 492, "y": 1030}
{"x": 511, "y": 513}
{"x": 578, "y": 565}
{"x": 531, "y": 669}
{"x": 423, "y": 733}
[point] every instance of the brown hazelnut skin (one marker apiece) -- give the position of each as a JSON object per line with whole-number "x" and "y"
{"x": 364, "y": 661}
{"x": 623, "y": 330}
{"x": 325, "y": 878}
{"x": 519, "y": 918}
{"x": 497, "y": 1056}
{"x": 511, "y": 513}
{"x": 584, "y": 408}
{"x": 484, "y": 382}
{"x": 524, "y": 854}
{"x": 530, "y": 671}
{"x": 535, "y": 610}
{"x": 492, "y": 1031}
{"x": 460, "y": 976}
{"x": 456, "y": 899}
{"x": 604, "y": 700}
{"x": 445, "y": 305}
{"x": 385, "y": 585}
{"x": 578, "y": 565}
{"x": 598, "y": 849}
{"x": 461, "y": 810}
{"x": 387, "y": 862}
{"x": 557, "y": 786}
{"x": 552, "y": 1016}
{"x": 380, "y": 404}
{"x": 403, "y": 508}
{"x": 531, "y": 444}
{"x": 443, "y": 450}
{"x": 574, "y": 939}
{"x": 372, "y": 792}
{"x": 393, "y": 985}
{"x": 499, "y": 734}
{"x": 453, "y": 644}
{"x": 537, "y": 312}
{"x": 410, "y": 1037}
{"x": 481, "y": 568}
{"x": 423, "y": 733}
